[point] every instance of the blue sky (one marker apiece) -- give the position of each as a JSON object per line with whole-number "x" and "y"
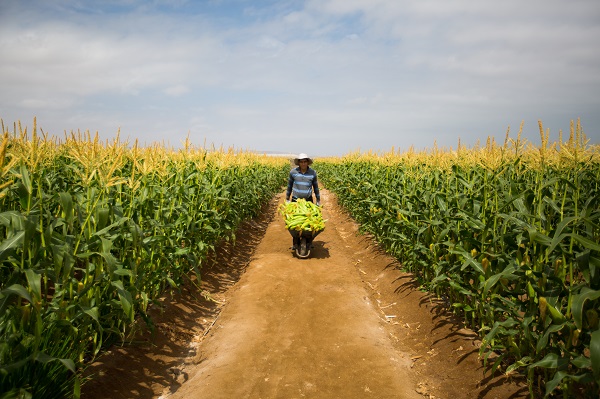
{"x": 324, "y": 77}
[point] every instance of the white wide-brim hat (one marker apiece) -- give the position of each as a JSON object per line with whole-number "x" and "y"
{"x": 303, "y": 156}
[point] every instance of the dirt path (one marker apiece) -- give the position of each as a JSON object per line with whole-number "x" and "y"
{"x": 345, "y": 323}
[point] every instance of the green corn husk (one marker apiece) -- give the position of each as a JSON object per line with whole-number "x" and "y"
{"x": 302, "y": 215}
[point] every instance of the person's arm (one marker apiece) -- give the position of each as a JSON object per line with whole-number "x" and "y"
{"x": 288, "y": 192}
{"x": 316, "y": 189}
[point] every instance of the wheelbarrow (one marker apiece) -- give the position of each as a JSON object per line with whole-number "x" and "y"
{"x": 303, "y": 242}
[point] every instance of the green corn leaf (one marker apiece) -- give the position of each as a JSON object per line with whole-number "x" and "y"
{"x": 66, "y": 202}
{"x": 10, "y": 244}
{"x": 558, "y": 234}
{"x": 103, "y": 217}
{"x": 543, "y": 341}
{"x": 499, "y": 325}
{"x": 7, "y": 368}
{"x": 593, "y": 269}
{"x": 521, "y": 207}
{"x": 474, "y": 263}
{"x": 587, "y": 243}
{"x": 552, "y": 204}
{"x": 551, "y": 361}
{"x": 34, "y": 281}
{"x": 25, "y": 179}
{"x": 538, "y": 237}
{"x": 523, "y": 362}
{"x": 441, "y": 203}
{"x": 106, "y": 245}
{"x": 561, "y": 375}
{"x": 588, "y": 267}
{"x": 153, "y": 239}
{"x": 30, "y": 225}
{"x": 92, "y": 312}
{"x": 464, "y": 307}
{"x": 507, "y": 273}
{"x": 182, "y": 251}
{"x": 439, "y": 279}
{"x": 555, "y": 314}
{"x": 7, "y": 218}
{"x": 582, "y": 362}
{"x": 499, "y": 360}
{"x": 16, "y": 289}
{"x": 595, "y": 354}
{"x": 111, "y": 262}
{"x": 85, "y": 255}
{"x": 108, "y": 228}
{"x": 58, "y": 255}
{"x": 459, "y": 288}
{"x": 125, "y": 299}
{"x": 578, "y": 304}
{"x": 123, "y": 272}
{"x": 44, "y": 358}
{"x": 554, "y": 382}
{"x": 145, "y": 300}
{"x": 512, "y": 200}
{"x": 20, "y": 393}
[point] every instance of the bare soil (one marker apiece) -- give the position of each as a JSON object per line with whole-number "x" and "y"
{"x": 345, "y": 323}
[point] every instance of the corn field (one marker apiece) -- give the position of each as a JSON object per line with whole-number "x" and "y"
{"x": 508, "y": 235}
{"x": 92, "y": 233}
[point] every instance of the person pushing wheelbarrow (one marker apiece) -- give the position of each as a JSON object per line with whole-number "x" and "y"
{"x": 302, "y": 184}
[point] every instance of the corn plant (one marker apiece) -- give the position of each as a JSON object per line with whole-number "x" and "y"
{"x": 92, "y": 233}
{"x": 508, "y": 234}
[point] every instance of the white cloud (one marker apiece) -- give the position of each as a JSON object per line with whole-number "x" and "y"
{"x": 322, "y": 69}
{"x": 177, "y": 90}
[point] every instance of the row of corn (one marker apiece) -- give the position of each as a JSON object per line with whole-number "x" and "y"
{"x": 93, "y": 233}
{"x": 302, "y": 215}
{"x": 508, "y": 235}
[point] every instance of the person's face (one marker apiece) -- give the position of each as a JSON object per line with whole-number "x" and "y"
{"x": 303, "y": 163}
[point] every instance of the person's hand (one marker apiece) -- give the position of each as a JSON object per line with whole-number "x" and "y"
{"x": 287, "y": 201}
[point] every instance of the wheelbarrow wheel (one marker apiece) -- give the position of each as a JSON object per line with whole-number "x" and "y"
{"x": 303, "y": 250}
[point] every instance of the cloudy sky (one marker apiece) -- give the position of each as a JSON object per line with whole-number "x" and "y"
{"x": 325, "y": 77}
